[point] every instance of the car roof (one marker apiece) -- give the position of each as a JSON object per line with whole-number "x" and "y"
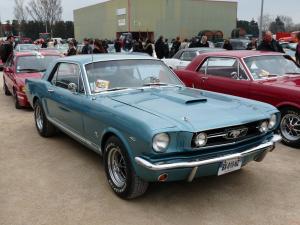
{"x": 202, "y": 49}
{"x": 241, "y": 53}
{"x": 85, "y": 59}
{"x": 33, "y": 53}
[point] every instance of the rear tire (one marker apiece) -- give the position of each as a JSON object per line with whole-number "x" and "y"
{"x": 290, "y": 127}
{"x": 119, "y": 172}
{"x": 5, "y": 89}
{"x": 43, "y": 126}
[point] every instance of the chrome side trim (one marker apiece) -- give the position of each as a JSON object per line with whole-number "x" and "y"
{"x": 76, "y": 136}
{"x": 268, "y": 146}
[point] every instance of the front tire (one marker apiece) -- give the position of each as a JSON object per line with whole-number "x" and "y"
{"x": 43, "y": 126}
{"x": 290, "y": 127}
{"x": 119, "y": 172}
{"x": 17, "y": 104}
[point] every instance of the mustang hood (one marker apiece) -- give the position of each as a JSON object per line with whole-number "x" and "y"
{"x": 289, "y": 82}
{"x": 195, "y": 110}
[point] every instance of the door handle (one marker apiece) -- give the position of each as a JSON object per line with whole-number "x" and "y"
{"x": 204, "y": 78}
{"x": 50, "y": 90}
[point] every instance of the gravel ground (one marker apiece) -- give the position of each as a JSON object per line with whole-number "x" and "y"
{"x": 58, "y": 181}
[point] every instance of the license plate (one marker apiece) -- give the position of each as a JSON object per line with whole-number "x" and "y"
{"x": 228, "y": 166}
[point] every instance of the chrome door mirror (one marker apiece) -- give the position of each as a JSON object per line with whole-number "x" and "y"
{"x": 72, "y": 87}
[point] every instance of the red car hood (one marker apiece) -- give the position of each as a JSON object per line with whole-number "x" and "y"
{"x": 21, "y": 77}
{"x": 289, "y": 82}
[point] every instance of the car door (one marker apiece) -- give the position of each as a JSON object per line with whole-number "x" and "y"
{"x": 225, "y": 75}
{"x": 65, "y": 94}
{"x": 8, "y": 73}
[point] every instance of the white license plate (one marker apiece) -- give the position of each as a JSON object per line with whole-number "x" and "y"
{"x": 231, "y": 165}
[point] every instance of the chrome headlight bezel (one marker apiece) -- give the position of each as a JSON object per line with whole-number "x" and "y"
{"x": 200, "y": 140}
{"x": 272, "y": 122}
{"x": 264, "y": 127}
{"x": 160, "y": 142}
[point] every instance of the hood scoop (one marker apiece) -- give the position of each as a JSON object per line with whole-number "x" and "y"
{"x": 198, "y": 100}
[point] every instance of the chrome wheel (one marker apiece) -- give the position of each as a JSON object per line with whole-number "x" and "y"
{"x": 39, "y": 117}
{"x": 117, "y": 167}
{"x": 290, "y": 127}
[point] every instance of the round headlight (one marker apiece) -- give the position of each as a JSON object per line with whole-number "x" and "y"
{"x": 272, "y": 121}
{"x": 161, "y": 142}
{"x": 263, "y": 128}
{"x": 201, "y": 140}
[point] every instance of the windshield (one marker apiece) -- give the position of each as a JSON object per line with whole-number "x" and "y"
{"x": 262, "y": 67}
{"x": 37, "y": 63}
{"x": 115, "y": 75}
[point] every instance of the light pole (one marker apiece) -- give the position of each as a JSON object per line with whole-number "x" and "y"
{"x": 261, "y": 20}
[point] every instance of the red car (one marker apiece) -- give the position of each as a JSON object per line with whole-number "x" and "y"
{"x": 269, "y": 77}
{"x": 23, "y": 65}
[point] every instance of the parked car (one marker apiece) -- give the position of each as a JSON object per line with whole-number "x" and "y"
{"x": 26, "y": 47}
{"x": 184, "y": 56}
{"x": 133, "y": 110}
{"x": 237, "y": 44}
{"x": 264, "y": 76}
{"x": 23, "y": 65}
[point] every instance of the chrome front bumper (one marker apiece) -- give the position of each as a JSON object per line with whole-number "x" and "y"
{"x": 265, "y": 147}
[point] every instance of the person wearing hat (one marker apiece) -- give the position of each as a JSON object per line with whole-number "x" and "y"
{"x": 86, "y": 49}
{"x": 7, "y": 48}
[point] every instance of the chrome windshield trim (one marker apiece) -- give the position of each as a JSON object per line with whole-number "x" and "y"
{"x": 268, "y": 146}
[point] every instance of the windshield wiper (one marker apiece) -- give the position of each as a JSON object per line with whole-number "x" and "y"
{"x": 154, "y": 84}
{"x": 114, "y": 89}
{"x": 292, "y": 73}
{"x": 31, "y": 70}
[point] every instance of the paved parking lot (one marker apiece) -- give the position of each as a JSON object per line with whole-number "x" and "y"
{"x": 58, "y": 181}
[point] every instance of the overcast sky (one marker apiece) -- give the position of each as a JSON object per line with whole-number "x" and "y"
{"x": 247, "y": 9}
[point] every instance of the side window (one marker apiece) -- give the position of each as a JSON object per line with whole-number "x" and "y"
{"x": 188, "y": 56}
{"x": 66, "y": 74}
{"x": 224, "y": 67}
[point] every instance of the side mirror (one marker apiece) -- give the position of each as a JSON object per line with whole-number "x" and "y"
{"x": 72, "y": 87}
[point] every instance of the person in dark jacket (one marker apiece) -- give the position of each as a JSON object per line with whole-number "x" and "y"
{"x": 86, "y": 49}
{"x": 160, "y": 47}
{"x": 138, "y": 46}
{"x": 44, "y": 44}
{"x": 175, "y": 47}
{"x": 204, "y": 43}
{"x": 252, "y": 45}
{"x": 227, "y": 45}
{"x": 105, "y": 45}
{"x": 269, "y": 44}
{"x": 7, "y": 48}
{"x": 148, "y": 47}
{"x": 98, "y": 47}
{"x": 71, "y": 50}
{"x": 118, "y": 45}
{"x": 166, "y": 49}
{"x": 297, "y": 54}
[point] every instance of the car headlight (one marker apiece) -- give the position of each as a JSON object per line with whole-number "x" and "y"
{"x": 272, "y": 121}
{"x": 201, "y": 140}
{"x": 263, "y": 128}
{"x": 161, "y": 142}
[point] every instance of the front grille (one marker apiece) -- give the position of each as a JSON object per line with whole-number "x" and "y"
{"x": 230, "y": 135}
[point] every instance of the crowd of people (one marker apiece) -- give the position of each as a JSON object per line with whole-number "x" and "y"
{"x": 161, "y": 47}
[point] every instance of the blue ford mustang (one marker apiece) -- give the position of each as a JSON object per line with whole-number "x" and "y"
{"x": 133, "y": 110}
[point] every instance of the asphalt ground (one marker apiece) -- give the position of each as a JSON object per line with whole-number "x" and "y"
{"x": 58, "y": 181}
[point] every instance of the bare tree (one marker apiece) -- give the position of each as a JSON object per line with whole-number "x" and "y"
{"x": 267, "y": 20}
{"x": 288, "y": 22}
{"x": 47, "y": 11}
{"x": 20, "y": 13}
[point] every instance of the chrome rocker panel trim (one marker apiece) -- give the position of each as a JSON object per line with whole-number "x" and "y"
{"x": 268, "y": 146}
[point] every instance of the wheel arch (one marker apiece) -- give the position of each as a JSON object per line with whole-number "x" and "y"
{"x": 109, "y": 132}
{"x": 288, "y": 105}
